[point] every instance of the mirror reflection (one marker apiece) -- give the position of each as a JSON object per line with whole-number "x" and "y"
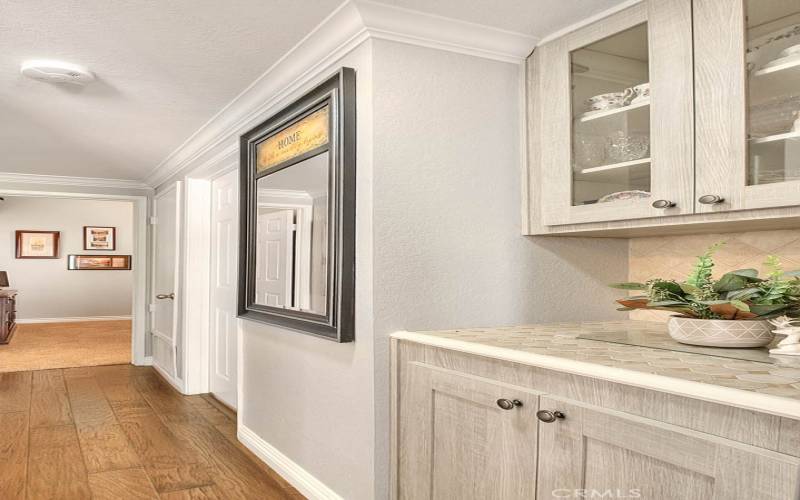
{"x": 292, "y": 224}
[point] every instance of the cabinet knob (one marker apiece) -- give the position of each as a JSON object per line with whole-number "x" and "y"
{"x": 710, "y": 199}
{"x": 508, "y": 404}
{"x": 663, "y": 204}
{"x": 548, "y": 416}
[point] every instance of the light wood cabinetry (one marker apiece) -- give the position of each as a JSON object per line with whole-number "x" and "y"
{"x": 451, "y": 438}
{"x": 596, "y": 449}
{"x": 454, "y": 426}
{"x": 723, "y": 151}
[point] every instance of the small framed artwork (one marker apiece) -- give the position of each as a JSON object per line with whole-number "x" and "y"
{"x": 99, "y": 262}
{"x": 37, "y": 244}
{"x": 99, "y": 238}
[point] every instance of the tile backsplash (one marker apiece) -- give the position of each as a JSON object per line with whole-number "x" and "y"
{"x": 671, "y": 257}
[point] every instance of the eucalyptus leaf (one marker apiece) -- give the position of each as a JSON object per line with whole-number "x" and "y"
{"x": 629, "y": 286}
{"x": 744, "y": 293}
{"x": 729, "y": 282}
{"x": 738, "y": 304}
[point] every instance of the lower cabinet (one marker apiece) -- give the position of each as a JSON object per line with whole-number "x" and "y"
{"x": 465, "y": 438}
{"x": 595, "y": 452}
{"x": 460, "y": 436}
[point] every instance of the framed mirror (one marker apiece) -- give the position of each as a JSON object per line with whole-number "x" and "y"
{"x": 297, "y": 238}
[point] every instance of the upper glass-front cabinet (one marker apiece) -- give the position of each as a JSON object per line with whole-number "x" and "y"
{"x": 615, "y": 115}
{"x": 748, "y": 103}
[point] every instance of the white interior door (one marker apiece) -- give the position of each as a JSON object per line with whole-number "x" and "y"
{"x": 223, "y": 335}
{"x": 274, "y": 258}
{"x": 166, "y": 213}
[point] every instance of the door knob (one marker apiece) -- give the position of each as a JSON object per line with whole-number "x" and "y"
{"x": 162, "y": 296}
{"x": 548, "y": 416}
{"x": 508, "y": 404}
{"x": 663, "y": 204}
{"x": 710, "y": 199}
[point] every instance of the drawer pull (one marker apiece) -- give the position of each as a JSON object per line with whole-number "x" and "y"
{"x": 710, "y": 199}
{"x": 663, "y": 204}
{"x": 548, "y": 416}
{"x": 508, "y": 404}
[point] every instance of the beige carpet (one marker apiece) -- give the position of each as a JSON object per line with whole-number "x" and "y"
{"x": 40, "y": 346}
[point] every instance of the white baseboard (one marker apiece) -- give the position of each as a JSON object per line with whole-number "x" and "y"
{"x": 177, "y": 384}
{"x": 73, "y": 320}
{"x": 298, "y": 477}
{"x": 146, "y": 361}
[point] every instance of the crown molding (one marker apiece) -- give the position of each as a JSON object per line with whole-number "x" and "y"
{"x": 398, "y": 24}
{"x": 58, "y": 180}
{"x": 351, "y": 24}
{"x": 589, "y": 20}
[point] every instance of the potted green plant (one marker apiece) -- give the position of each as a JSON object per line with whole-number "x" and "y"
{"x": 731, "y": 311}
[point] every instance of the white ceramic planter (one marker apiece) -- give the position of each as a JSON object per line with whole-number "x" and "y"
{"x": 720, "y": 332}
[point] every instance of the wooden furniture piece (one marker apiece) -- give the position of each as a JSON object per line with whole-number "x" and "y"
{"x": 723, "y": 150}
{"x": 8, "y": 315}
{"x": 472, "y": 427}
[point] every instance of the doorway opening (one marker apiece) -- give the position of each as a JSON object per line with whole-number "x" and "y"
{"x": 71, "y": 293}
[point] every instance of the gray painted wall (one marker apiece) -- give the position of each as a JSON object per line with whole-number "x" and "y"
{"x": 310, "y": 398}
{"x": 438, "y": 246}
{"x": 447, "y": 243}
{"x": 47, "y": 289}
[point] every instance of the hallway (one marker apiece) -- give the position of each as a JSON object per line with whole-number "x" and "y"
{"x": 121, "y": 432}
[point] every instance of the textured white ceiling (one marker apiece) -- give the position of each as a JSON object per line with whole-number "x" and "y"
{"x": 165, "y": 67}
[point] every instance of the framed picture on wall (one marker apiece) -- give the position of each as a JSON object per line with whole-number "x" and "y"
{"x": 37, "y": 244}
{"x": 99, "y": 262}
{"x": 99, "y": 238}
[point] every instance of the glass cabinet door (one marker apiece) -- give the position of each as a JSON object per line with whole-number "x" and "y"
{"x": 616, "y": 117}
{"x": 748, "y": 136}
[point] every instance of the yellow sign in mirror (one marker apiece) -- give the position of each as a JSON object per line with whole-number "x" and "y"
{"x": 301, "y": 137}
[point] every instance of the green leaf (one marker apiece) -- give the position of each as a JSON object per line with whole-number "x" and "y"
{"x": 750, "y": 274}
{"x": 712, "y": 302}
{"x": 738, "y": 304}
{"x": 666, "y": 303}
{"x": 729, "y": 282}
{"x": 628, "y": 286}
{"x": 689, "y": 289}
{"x": 744, "y": 293}
{"x": 669, "y": 286}
{"x": 765, "y": 309}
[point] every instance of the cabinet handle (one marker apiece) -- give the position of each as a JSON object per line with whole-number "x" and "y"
{"x": 663, "y": 204}
{"x": 508, "y": 404}
{"x": 548, "y": 416}
{"x": 162, "y": 296}
{"x": 710, "y": 199}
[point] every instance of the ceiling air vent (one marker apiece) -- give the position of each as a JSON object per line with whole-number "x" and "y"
{"x": 56, "y": 72}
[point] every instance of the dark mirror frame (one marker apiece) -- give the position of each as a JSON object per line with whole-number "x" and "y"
{"x": 338, "y": 322}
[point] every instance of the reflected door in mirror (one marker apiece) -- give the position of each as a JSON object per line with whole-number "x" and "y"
{"x": 292, "y": 236}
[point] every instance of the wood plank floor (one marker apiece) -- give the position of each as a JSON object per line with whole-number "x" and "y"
{"x": 119, "y": 432}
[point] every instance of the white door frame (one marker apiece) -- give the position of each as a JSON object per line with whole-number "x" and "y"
{"x": 197, "y": 274}
{"x": 139, "y": 310}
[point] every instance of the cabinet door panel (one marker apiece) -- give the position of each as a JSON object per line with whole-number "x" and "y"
{"x": 457, "y": 443}
{"x": 748, "y": 143}
{"x": 601, "y": 450}
{"x": 643, "y": 147}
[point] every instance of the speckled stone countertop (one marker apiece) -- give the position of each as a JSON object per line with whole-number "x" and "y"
{"x": 750, "y": 384}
